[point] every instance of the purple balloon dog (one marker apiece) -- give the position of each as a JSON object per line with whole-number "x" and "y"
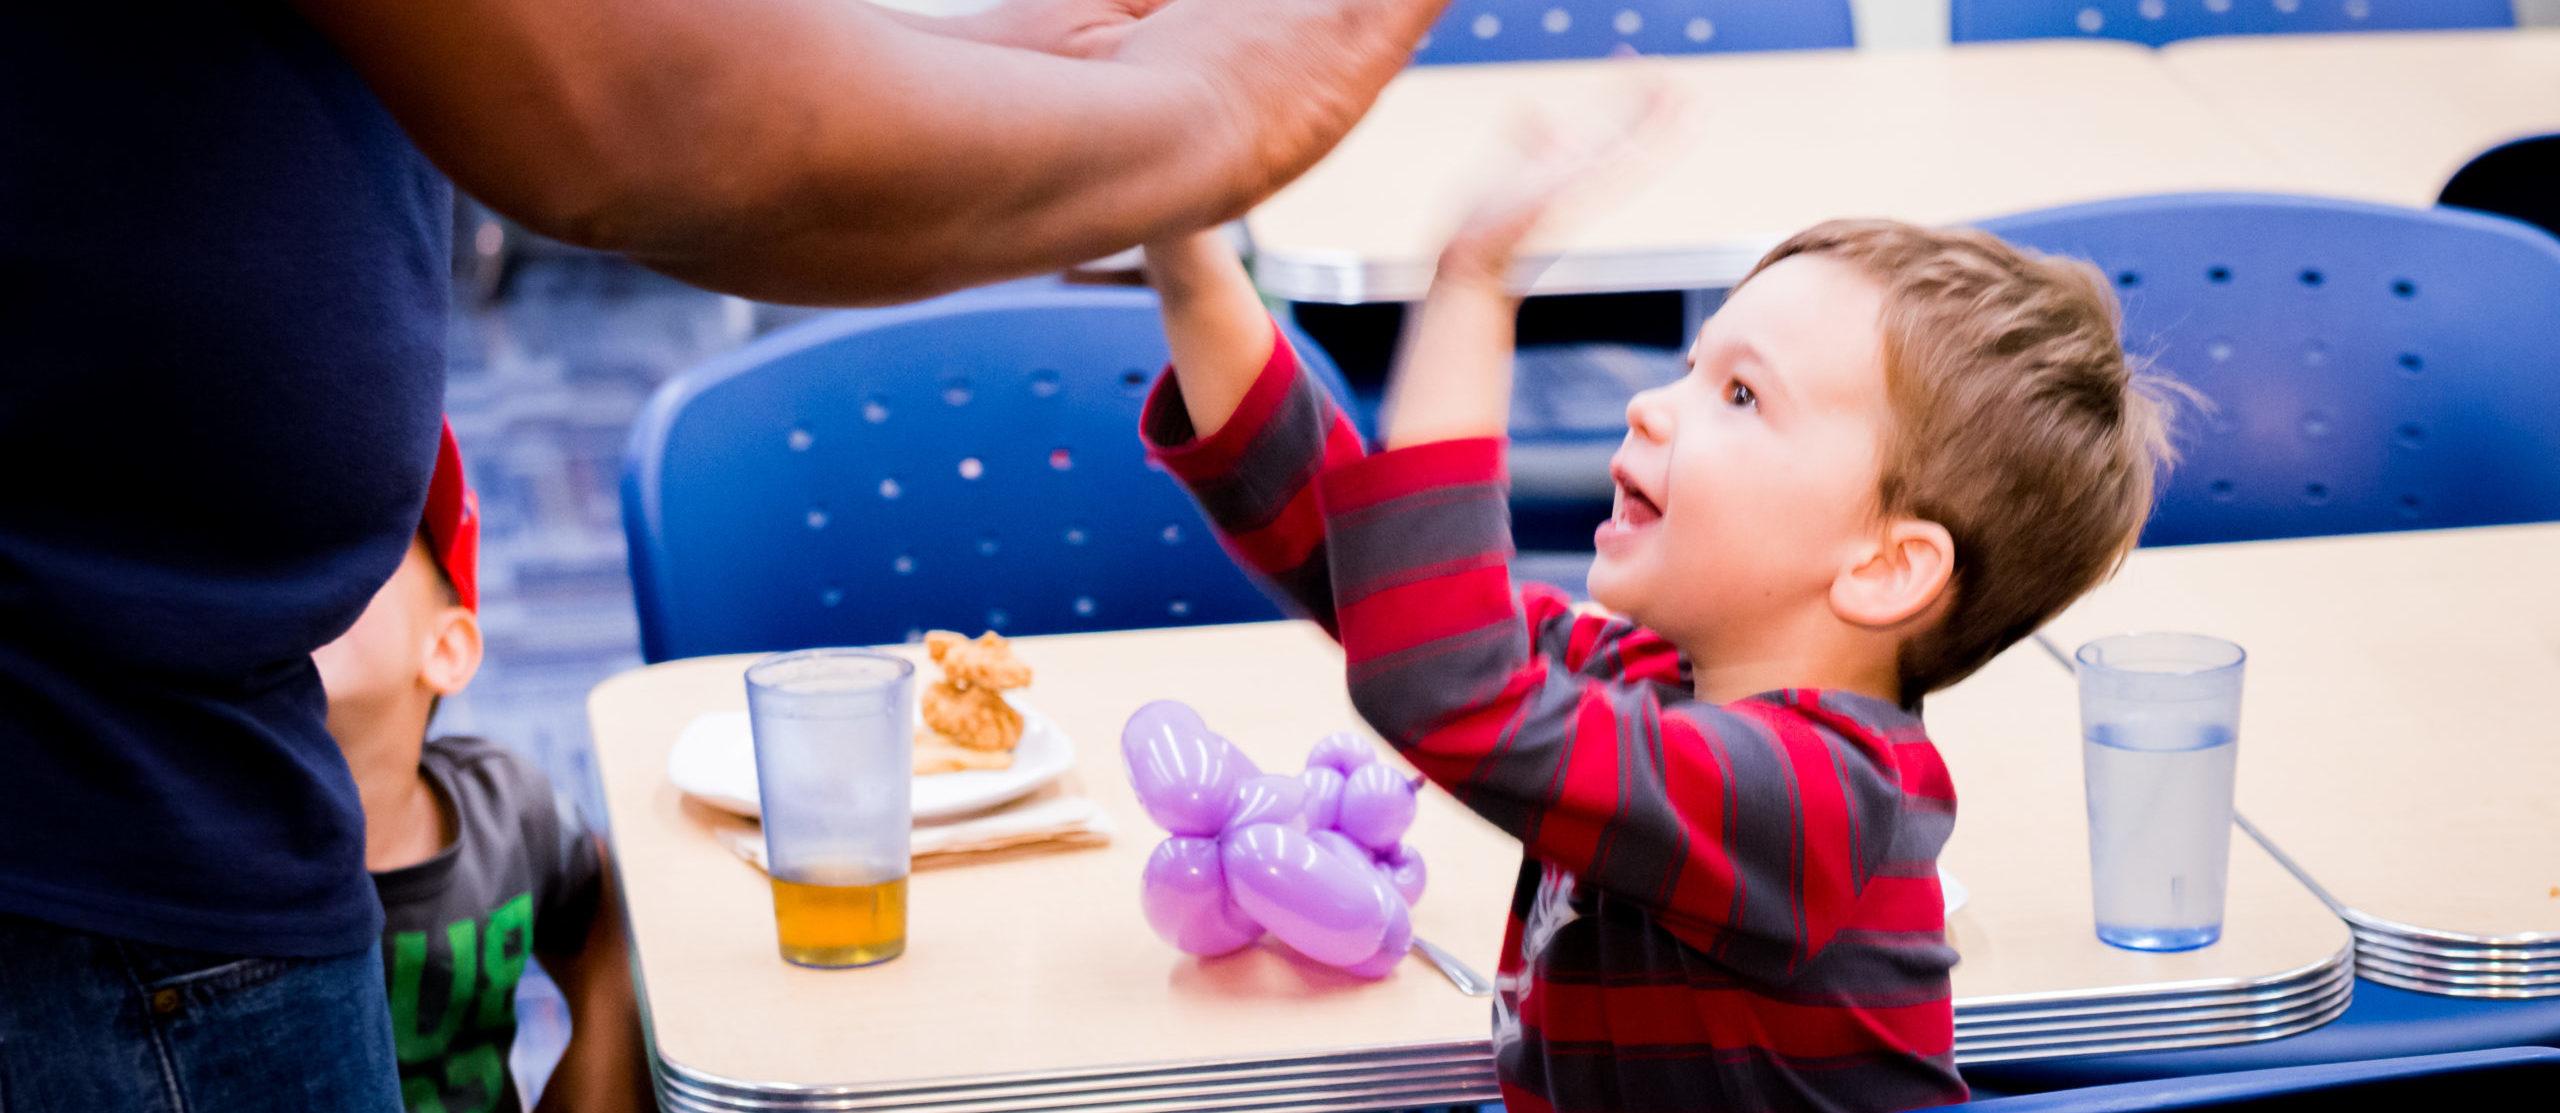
{"x": 1318, "y": 860}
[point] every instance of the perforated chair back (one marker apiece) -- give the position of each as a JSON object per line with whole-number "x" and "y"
{"x": 2154, "y": 22}
{"x": 967, "y": 463}
{"x": 1546, "y": 30}
{"x": 2371, "y": 368}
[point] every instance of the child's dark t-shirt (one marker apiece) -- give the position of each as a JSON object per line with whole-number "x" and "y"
{"x": 521, "y": 878}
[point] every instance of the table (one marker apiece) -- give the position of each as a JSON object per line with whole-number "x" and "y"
{"x": 2386, "y": 117}
{"x": 1034, "y": 977}
{"x": 2397, "y": 740}
{"x": 1779, "y": 141}
{"x": 1033, "y": 981}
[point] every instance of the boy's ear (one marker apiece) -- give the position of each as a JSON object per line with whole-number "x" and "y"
{"x": 454, "y": 654}
{"x": 1899, "y": 576}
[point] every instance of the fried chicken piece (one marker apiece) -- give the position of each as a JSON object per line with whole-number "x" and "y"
{"x": 977, "y": 718}
{"x": 987, "y": 662}
{"x": 968, "y": 724}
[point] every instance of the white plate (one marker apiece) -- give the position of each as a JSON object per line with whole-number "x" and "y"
{"x": 715, "y": 761}
{"x": 1951, "y": 890}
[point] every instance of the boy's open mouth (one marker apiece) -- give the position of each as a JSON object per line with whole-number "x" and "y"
{"x": 1632, "y": 507}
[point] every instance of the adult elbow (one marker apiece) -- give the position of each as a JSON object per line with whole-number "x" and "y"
{"x": 841, "y": 267}
{"x": 594, "y": 205}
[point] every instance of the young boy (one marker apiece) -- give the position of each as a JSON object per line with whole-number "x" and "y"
{"x": 1898, "y": 450}
{"x": 479, "y": 864}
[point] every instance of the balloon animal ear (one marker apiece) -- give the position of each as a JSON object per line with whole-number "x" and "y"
{"x": 1342, "y": 752}
{"x": 1186, "y": 776}
{"x": 1316, "y": 860}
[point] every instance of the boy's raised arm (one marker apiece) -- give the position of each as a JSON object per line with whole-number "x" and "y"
{"x": 1241, "y": 425}
{"x": 1452, "y": 377}
{"x": 1214, "y": 321}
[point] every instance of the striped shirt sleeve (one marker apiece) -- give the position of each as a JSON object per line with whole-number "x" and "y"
{"x": 1255, "y": 476}
{"x": 1748, "y": 829}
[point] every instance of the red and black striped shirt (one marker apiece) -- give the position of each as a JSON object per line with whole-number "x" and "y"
{"x": 1721, "y": 906}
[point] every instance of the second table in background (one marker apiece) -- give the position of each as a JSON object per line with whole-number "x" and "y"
{"x": 2383, "y": 117}
{"x": 1774, "y": 143}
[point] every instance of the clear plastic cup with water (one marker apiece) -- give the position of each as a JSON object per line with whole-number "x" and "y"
{"x": 835, "y": 745}
{"x": 2159, "y": 722}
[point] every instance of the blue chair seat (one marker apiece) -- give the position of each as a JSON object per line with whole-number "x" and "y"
{"x": 971, "y": 462}
{"x": 2369, "y": 367}
{"x": 1541, "y": 30}
{"x": 2154, "y": 22}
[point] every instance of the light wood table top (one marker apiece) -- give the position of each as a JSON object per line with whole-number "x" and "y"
{"x": 2397, "y": 739}
{"x": 1041, "y": 965}
{"x": 1776, "y": 142}
{"x": 2385, "y": 117}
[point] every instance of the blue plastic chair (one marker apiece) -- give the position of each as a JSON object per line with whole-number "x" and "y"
{"x": 2519, "y": 179}
{"x": 2500, "y": 1078}
{"x": 1546, "y": 30}
{"x": 2153, "y": 22}
{"x": 970, "y": 462}
{"x": 2371, "y": 368}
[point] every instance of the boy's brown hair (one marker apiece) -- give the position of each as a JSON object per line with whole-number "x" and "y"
{"x": 2019, "y": 425}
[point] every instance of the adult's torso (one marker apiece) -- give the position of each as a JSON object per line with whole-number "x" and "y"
{"x": 221, "y": 370}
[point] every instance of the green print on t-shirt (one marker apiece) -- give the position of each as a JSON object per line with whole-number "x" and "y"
{"x": 457, "y": 1062}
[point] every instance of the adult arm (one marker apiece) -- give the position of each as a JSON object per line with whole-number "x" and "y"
{"x": 825, "y": 151}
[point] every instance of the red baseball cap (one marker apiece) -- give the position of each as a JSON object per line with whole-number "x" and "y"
{"x": 453, "y": 522}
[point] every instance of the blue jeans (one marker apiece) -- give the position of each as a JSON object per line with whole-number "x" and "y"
{"x": 92, "y": 1023}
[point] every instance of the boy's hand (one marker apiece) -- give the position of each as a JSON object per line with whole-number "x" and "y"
{"x": 1076, "y": 28}
{"x": 1553, "y": 169}
{"x": 1073, "y": 28}
{"x": 1453, "y": 374}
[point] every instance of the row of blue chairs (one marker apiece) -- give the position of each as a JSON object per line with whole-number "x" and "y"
{"x": 1540, "y": 30}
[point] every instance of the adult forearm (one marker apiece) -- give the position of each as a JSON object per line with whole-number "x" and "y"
{"x": 1204, "y": 109}
{"x": 814, "y": 150}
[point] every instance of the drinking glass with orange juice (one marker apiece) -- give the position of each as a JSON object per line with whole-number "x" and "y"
{"x": 834, "y": 737}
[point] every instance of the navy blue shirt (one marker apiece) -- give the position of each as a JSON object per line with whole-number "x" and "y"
{"x": 222, "y": 330}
